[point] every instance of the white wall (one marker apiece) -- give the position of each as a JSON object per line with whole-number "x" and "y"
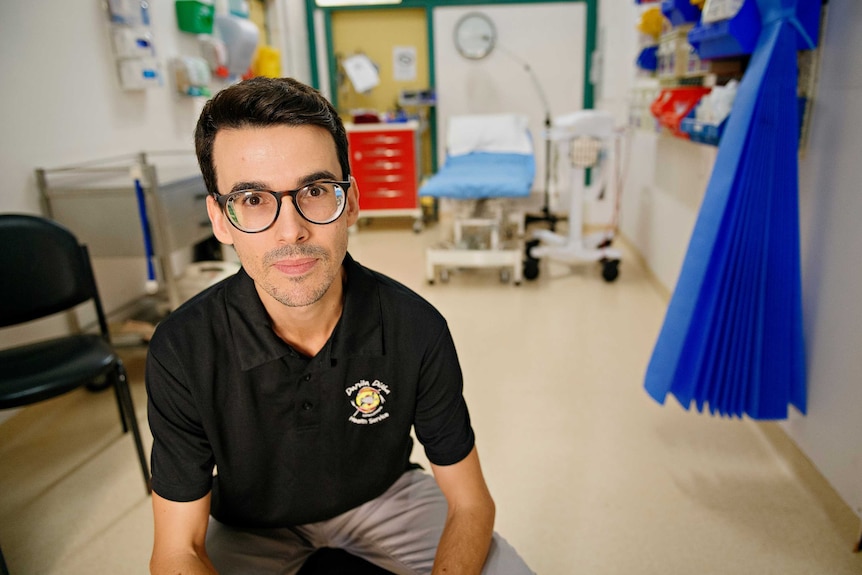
{"x": 664, "y": 178}
{"x": 664, "y": 186}
{"x": 61, "y": 103}
{"x": 288, "y": 28}
{"x": 831, "y": 204}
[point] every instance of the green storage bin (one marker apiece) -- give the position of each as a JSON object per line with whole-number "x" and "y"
{"x": 195, "y": 16}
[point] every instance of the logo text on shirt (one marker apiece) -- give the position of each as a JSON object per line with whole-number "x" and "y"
{"x": 368, "y": 400}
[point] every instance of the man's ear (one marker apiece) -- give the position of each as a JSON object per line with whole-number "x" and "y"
{"x": 352, "y": 202}
{"x": 221, "y": 227}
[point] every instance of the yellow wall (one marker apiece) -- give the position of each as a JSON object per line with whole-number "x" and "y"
{"x": 257, "y": 13}
{"x": 374, "y": 33}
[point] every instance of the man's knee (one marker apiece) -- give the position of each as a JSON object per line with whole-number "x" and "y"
{"x": 503, "y": 559}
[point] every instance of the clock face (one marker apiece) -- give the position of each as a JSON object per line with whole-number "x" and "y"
{"x": 475, "y": 35}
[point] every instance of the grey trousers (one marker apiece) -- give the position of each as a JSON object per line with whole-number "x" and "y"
{"x": 398, "y": 531}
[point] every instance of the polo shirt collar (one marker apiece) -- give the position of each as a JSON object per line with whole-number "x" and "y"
{"x": 359, "y": 331}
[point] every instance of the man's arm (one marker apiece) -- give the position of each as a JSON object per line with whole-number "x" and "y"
{"x": 179, "y": 544}
{"x": 470, "y": 520}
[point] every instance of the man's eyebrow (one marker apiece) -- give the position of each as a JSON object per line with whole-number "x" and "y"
{"x": 242, "y": 186}
{"x": 303, "y": 181}
{"x": 315, "y": 176}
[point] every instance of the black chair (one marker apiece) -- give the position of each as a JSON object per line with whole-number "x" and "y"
{"x": 46, "y": 271}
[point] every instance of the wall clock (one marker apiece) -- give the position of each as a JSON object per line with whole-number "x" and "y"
{"x": 475, "y": 35}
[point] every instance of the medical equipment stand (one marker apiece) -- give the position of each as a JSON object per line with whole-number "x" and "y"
{"x": 590, "y": 134}
{"x": 546, "y": 215}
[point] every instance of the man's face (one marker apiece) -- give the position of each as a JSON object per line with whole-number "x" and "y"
{"x": 294, "y": 261}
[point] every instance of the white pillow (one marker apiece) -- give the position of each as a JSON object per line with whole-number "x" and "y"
{"x": 488, "y": 133}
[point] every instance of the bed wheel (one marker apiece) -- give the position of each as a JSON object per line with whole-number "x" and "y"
{"x": 505, "y": 276}
{"x": 610, "y": 270}
{"x": 418, "y": 225}
{"x": 444, "y": 276}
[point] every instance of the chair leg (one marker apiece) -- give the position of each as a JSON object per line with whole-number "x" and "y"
{"x": 116, "y": 376}
{"x": 3, "y": 569}
{"x": 127, "y": 412}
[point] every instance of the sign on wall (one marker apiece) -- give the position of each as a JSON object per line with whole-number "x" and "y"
{"x": 404, "y": 63}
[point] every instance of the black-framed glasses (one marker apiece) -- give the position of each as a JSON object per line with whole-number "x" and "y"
{"x": 252, "y": 211}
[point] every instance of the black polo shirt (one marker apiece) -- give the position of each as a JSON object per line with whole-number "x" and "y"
{"x": 295, "y": 440}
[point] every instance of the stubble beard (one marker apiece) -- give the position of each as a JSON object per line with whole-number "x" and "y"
{"x": 302, "y": 291}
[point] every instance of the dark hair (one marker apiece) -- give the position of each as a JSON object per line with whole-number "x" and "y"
{"x": 261, "y": 102}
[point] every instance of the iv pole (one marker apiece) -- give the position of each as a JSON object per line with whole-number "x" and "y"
{"x": 546, "y": 215}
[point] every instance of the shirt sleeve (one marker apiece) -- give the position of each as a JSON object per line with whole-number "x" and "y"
{"x": 182, "y": 459}
{"x": 442, "y": 420}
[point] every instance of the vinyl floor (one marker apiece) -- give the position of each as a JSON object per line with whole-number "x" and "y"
{"x": 589, "y": 474}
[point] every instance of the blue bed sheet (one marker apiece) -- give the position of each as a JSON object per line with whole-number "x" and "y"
{"x": 482, "y": 175}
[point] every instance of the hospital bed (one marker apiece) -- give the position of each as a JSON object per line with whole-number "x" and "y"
{"x": 489, "y": 166}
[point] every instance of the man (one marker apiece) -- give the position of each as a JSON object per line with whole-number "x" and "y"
{"x": 281, "y": 399}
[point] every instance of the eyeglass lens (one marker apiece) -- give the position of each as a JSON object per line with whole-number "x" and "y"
{"x": 255, "y": 210}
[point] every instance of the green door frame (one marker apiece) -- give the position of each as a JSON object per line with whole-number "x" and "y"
{"x": 429, "y": 5}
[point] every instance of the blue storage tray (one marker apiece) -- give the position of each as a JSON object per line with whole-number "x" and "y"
{"x": 647, "y": 59}
{"x": 733, "y": 37}
{"x": 737, "y": 36}
{"x": 680, "y": 12}
{"x": 702, "y": 132}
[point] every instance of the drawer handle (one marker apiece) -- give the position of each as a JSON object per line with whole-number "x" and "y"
{"x": 383, "y": 153}
{"x": 391, "y": 178}
{"x": 385, "y": 194}
{"x": 385, "y": 139}
{"x": 381, "y": 164}
{"x": 375, "y": 153}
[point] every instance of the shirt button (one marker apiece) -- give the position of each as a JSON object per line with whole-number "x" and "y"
{"x": 307, "y": 406}
{"x": 307, "y": 377}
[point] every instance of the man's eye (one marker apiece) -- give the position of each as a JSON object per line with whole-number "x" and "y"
{"x": 316, "y": 190}
{"x": 253, "y": 200}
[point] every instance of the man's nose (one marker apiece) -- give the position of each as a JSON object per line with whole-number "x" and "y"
{"x": 290, "y": 225}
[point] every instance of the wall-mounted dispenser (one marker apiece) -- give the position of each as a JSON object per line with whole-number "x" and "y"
{"x": 139, "y": 73}
{"x": 129, "y": 12}
{"x": 132, "y": 44}
{"x": 192, "y": 76}
{"x": 240, "y": 36}
{"x": 214, "y": 52}
{"x": 195, "y": 16}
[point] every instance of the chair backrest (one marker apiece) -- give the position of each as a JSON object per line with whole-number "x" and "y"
{"x": 45, "y": 270}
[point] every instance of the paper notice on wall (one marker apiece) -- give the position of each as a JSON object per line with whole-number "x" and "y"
{"x": 362, "y": 72}
{"x": 404, "y": 63}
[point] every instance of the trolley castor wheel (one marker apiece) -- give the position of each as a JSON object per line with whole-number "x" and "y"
{"x": 531, "y": 264}
{"x": 531, "y": 268}
{"x": 610, "y": 270}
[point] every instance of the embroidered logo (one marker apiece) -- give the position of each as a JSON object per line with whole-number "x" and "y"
{"x": 368, "y": 401}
